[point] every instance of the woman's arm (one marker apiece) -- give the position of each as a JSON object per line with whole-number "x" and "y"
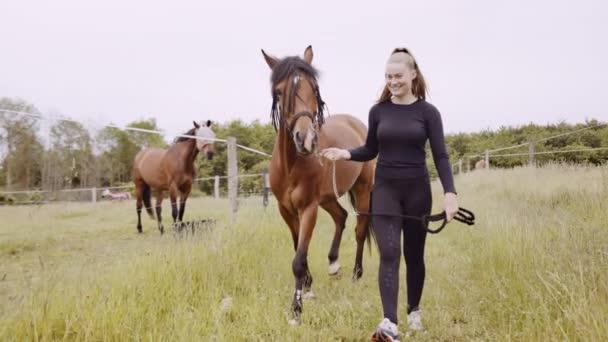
{"x": 439, "y": 151}
{"x": 368, "y": 151}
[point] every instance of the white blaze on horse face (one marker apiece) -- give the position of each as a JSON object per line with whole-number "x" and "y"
{"x": 308, "y": 141}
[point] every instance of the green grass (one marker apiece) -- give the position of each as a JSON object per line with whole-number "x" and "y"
{"x": 534, "y": 268}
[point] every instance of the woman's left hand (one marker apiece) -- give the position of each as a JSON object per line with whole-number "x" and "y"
{"x": 450, "y": 205}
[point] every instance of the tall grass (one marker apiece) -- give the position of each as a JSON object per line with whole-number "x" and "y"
{"x": 533, "y": 268}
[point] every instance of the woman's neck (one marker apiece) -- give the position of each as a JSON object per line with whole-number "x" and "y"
{"x": 406, "y": 99}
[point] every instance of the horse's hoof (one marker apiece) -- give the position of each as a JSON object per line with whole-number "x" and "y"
{"x": 294, "y": 322}
{"x": 308, "y": 295}
{"x": 334, "y": 268}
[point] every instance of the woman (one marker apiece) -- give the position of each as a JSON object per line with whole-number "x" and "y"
{"x": 399, "y": 126}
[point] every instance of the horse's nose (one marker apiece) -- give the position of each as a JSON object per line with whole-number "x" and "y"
{"x": 209, "y": 155}
{"x": 298, "y": 138}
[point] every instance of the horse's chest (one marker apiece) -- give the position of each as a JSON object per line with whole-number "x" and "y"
{"x": 295, "y": 195}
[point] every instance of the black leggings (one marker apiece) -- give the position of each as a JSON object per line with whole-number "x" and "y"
{"x": 406, "y": 197}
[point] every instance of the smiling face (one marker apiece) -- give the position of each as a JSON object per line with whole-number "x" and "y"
{"x": 400, "y": 74}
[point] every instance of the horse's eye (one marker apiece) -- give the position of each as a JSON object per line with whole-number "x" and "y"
{"x": 278, "y": 92}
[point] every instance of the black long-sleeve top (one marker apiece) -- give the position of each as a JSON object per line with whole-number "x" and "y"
{"x": 398, "y": 133}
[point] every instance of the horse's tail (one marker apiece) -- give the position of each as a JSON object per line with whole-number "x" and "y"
{"x": 369, "y": 231}
{"x": 146, "y": 198}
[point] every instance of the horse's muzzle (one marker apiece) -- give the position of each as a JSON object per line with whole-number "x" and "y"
{"x": 209, "y": 155}
{"x": 308, "y": 144}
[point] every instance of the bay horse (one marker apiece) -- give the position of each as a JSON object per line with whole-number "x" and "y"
{"x": 170, "y": 170}
{"x": 299, "y": 180}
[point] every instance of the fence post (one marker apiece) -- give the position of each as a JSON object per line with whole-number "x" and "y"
{"x": 487, "y": 160}
{"x": 216, "y": 187}
{"x": 94, "y": 195}
{"x": 233, "y": 180}
{"x": 459, "y": 166}
{"x": 531, "y": 154}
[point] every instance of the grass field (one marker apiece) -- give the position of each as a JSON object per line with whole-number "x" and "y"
{"x": 534, "y": 268}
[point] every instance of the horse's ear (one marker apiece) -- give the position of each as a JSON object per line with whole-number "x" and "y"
{"x": 208, "y": 123}
{"x": 308, "y": 54}
{"x": 196, "y": 125}
{"x": 271, "y": 61}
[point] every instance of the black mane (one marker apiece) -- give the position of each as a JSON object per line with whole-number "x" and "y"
{"x": 181, "y": 139}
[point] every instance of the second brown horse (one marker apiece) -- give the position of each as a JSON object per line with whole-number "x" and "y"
{"x": 171, "y": 169}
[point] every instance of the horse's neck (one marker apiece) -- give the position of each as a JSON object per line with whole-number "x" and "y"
{"x": 187, "y": 152}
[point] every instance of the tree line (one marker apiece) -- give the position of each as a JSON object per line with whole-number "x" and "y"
{"x": 53, "y": 155}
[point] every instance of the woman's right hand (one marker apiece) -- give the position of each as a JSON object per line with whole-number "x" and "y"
{"x": 334, "y": 153}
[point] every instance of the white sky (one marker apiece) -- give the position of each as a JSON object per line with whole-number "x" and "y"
{"x": 488, "y": 63}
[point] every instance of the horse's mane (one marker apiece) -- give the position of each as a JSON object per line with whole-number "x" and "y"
{"x": 286, "y": 68}
{"x": 181, "y": 139}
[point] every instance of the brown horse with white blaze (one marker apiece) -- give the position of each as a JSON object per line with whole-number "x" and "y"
{"x": 298, "y": 178}
{"x": 170, "y": 170}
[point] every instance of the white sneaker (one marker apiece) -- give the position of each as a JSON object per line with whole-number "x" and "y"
{"x": 386, "y": 332}
{"x": 414, "y": 321}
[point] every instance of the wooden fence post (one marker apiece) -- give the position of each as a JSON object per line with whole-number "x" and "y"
{"x": 487, "y": 160}
{"x": 233, "y": 180}
{"x": 531, "y": 154}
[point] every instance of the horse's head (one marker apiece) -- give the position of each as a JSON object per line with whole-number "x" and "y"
{"x": 297, "y": 106}
{"x": 205, "y": 138}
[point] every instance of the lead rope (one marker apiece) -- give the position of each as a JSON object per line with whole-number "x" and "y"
{"x": 463, "y": 215}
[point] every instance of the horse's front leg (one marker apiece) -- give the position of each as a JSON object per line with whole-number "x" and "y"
{"x": 308, "y": 218}
{"x": 185, "y": 192}
{"x": 138, "y": 205}
{"x": 173, "y": 197}
{"x": 159, "y": 203}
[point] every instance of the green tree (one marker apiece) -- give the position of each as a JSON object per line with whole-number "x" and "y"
{"x": 20, "y": 147}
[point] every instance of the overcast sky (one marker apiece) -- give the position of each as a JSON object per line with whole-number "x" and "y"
{"x": 488, "y": 63}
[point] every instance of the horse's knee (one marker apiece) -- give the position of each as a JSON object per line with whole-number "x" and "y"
{"x": 299, "y": 266}
{"x": 343, "y": 218}
{"x": 361, "y": 232}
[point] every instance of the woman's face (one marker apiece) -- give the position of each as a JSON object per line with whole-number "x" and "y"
{"x": 399, "y": 75}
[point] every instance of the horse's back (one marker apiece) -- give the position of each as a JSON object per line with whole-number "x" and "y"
{"x": 344, "y": 131}
{"x": 147, "y": 166}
